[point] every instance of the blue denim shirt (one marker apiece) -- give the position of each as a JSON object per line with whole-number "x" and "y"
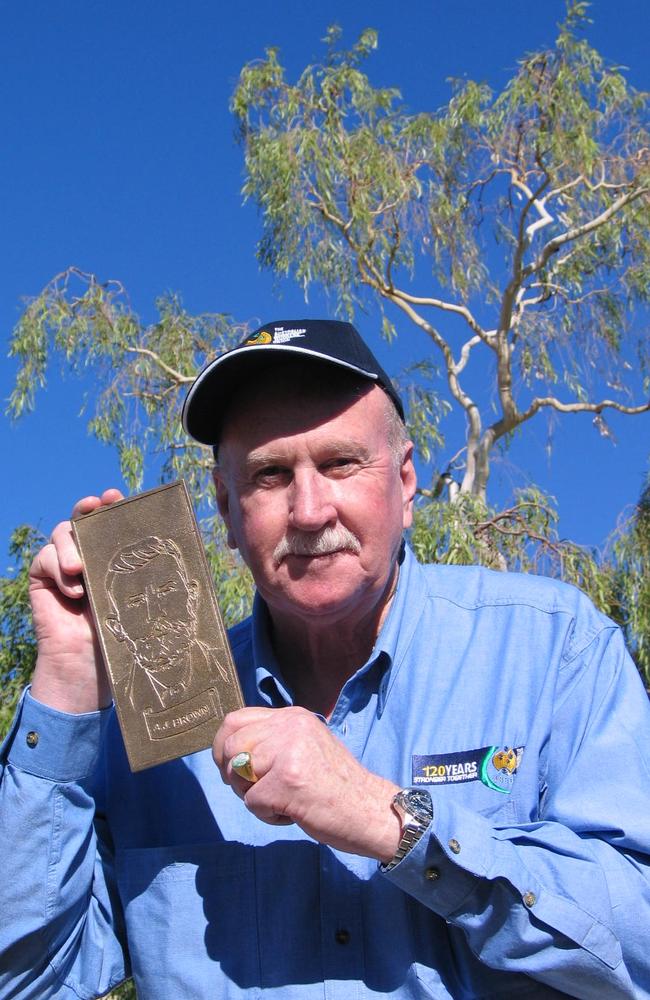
{"x": 509, "y": 697}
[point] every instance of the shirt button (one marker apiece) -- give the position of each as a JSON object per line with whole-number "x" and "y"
{"x": 342, "y": 936}
{"x": 454, "y": 846}
{"x": 529, "y": 899}
{"x": 32, "y": 739}
{"x": 432, "y": 874}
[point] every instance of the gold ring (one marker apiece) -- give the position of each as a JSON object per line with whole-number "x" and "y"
{"x": 242, "y": 764}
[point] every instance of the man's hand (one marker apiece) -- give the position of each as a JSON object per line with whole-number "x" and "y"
{"x": 307, "y": 776}
{"x": 69, "y": 673}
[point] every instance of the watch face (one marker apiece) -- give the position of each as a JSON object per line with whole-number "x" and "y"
{"x": 417, "y": 802}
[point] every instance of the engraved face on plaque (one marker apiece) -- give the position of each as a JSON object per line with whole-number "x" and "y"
{"x": 161, "y": 633}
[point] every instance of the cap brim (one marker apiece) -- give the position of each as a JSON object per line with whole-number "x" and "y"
{"x": 209, "y": 396}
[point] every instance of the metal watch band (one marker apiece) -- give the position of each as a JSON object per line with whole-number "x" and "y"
{"x": 415, "y": 810}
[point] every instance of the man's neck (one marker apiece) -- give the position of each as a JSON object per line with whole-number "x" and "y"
{"x": 316, "y": 660}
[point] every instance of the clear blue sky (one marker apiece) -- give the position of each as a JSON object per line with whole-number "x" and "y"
{"x": 119, "y": 157}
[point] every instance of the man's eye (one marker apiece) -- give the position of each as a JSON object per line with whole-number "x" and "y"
{"x": 270, "y": 475}
{"x": 136, "y": 601}
{"x": 342, "y": 463}
{"x": 167, "y": 588}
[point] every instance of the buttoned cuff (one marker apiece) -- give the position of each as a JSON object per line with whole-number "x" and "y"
{"x": 55, "y": 745}
{"x": 448, "y": 861}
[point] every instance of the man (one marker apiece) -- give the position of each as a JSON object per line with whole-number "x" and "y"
{"x": 441, "y": 779}
{"x": 154, "y": 604}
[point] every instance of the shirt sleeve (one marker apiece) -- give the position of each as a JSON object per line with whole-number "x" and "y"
{"x": 565, "y": 897}
{"x": 62, "y": 936}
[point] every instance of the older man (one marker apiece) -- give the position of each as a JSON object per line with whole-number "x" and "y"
{"x": 441, "y": 785}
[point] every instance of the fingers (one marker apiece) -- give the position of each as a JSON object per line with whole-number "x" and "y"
{"x": 276, "y": 741}
{"x": 231, "y": 738}
{"x": 47, "y": 571}
{"x": 88, "y": 504}
{"x": 262, "y": 730}
{"x": 59, "y": 562}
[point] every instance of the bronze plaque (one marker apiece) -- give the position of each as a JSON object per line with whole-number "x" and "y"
{"x": 158, "y": 622}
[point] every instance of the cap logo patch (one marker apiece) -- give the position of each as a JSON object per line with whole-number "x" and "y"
{"x": 262, "y": 337}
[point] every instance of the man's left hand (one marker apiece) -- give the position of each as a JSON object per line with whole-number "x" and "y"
{"x": 308, "y": 777}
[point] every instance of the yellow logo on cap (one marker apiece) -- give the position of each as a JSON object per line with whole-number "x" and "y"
{"x": 259, "y": 338}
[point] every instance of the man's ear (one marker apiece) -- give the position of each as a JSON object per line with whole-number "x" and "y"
{"x": 115, "y": 625}
{"x": 193, "y": 589}
{"x": 409, "y": 483}
{"x": 223, "y": 503}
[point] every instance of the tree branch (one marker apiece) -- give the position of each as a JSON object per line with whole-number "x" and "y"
{"x": 453, "y": 307}
{"x": 570, "y": 235}
{"x": 182, "y": 379}
{"x": 561, "y": 407}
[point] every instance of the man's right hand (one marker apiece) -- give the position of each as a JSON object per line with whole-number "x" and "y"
{"x": 69, "y": 673}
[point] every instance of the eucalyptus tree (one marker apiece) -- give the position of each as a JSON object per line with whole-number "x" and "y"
{"x": 510, "y": 228}
{"x": 509, "y": 231}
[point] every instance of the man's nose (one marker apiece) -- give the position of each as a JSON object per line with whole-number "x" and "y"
{"x": 154, "y": 604}
{"x": 311, "y": 505}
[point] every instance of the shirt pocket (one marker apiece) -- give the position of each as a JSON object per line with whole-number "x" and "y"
{"x": 184, "y": 936}
{"x": 497, "y": 807}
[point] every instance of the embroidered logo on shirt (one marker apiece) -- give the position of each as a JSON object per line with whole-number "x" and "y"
{"x": 495, "y": 766}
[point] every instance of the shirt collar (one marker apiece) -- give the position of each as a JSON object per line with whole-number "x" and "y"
{"x": 397, "y": 631}
{"x": 387, "y": 654}
{"x": 268, "y": 677}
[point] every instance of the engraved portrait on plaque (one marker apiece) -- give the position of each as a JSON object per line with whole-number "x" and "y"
{"x": 163, "y": 640}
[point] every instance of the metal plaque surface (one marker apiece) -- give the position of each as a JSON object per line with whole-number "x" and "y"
{"x": 161, "y": 633}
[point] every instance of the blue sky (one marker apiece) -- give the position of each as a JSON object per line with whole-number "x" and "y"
{"x": 119, "y": 158}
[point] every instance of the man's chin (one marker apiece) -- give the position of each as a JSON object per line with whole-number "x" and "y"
{"x": 315, "y": 593}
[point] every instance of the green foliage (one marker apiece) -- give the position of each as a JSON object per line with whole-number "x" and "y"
{"x": 126, "y": 991}
{"x": 630, "y": 559}
{"x": 17, "y": 644}
{"x": 524, "y": 219}
{"x": 523, "y": 538}
{"x": 140, "y": 377}
{"x": 530, "y": 210}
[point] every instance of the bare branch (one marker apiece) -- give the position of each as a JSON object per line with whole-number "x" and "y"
{"x": 183, "y": 379}
{"x": 582, "y": 179}
{"x": 533, "y": 200}
{"x": 465, "y": 352}
{"x": 550, "y": 288}
{"x": 455, "y": 388}
{"x": 453, "y": 307}
{"x": 570, "y": 235}
{"x": 561, "y": 407}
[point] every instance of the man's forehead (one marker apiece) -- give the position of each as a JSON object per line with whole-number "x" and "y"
{"x": 317, "y": 391}
{"x": 340, "y": 414}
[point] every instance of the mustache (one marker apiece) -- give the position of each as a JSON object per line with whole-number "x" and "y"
{"x": 319, "y": 543}
{"x": 160, "y": 628}
{"x": 164, "y": 639}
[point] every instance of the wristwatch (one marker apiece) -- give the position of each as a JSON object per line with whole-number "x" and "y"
{"x": 415, "y": 810}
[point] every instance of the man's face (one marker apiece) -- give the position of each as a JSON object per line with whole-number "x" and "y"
{"x": 302, "y": 468}
{"x": 154, "y": 612}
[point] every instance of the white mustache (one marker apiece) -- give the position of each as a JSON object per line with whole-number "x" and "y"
{"x": 317, "y": 544}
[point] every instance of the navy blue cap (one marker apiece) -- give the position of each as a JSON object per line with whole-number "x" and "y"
{"x": 325, "y": 341}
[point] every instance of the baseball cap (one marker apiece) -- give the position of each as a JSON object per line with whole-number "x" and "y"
{"x": 325, "y": 341}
